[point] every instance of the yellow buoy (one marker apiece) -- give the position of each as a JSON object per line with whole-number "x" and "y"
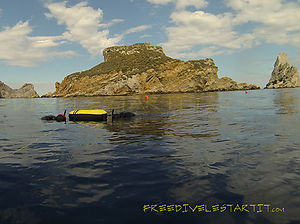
{"x": 88, "y": 115}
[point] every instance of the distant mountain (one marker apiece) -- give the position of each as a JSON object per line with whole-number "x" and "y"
{"x": 26, "y": 91}
{"x": 142, "y": 68}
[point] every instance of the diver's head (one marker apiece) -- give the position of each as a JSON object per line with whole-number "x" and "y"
{"x": 60, "y": 117}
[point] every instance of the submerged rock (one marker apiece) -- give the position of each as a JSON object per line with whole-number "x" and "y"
{"x": 284, "y": 75}
{"x": 26, "y": 91}
{"x": 142, "y": 68}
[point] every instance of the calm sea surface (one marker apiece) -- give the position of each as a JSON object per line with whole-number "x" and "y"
{"x": 185, "y": 158}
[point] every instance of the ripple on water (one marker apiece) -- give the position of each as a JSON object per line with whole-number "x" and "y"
{"x": 209, "y": 148}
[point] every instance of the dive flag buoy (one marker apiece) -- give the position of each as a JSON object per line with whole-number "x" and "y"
{"x": 88, "y": 115}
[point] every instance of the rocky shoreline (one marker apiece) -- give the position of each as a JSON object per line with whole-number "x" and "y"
{"x": 145, "y": 69}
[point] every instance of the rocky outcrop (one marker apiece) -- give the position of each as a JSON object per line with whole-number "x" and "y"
{"x": 227, "y": 84}
{"x": 26, "y": 91}
{"x": 284, "y": 75}
{"x": 142, "y": 68}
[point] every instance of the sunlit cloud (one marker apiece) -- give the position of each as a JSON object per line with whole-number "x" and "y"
{"x": 18, "y": 48}
{"x": 273, "y": 21}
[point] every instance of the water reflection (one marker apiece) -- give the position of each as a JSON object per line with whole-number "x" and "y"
{"x": 209, "y": 148}
{"x": 288, "y": 102}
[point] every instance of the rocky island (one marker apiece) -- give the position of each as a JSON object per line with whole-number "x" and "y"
{"x": 142, "y": 68}
{"x": 284, "y": 75}
{"x": 26, "y": 91}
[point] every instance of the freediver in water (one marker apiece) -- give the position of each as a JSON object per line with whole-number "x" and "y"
{"x": 121, "y": 115}
{"x": 58, "y": 118}
{"x": 62, "y": 117}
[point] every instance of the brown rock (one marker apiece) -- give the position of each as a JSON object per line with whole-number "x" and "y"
{"x": 227, "y": 84}
{"x": 284, "y": 75}
{"x": 142, "y": 68}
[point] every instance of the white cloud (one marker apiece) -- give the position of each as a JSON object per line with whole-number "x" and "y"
{"x": 145, "y": 36}
{"x": 254, "y": 10}
{"x": 208, "y": 52}
{"x": 182, "y": 4}
{"x": 114, "y": 21}
{"x": 272, "y": 21}
{"x": 198, "y": 4}
{"x": 83, "y": 25}
{"x": 137, "y": 29}
{"x": 160, "y": 2}
{"x": 212, "y": 32}
{"x": 111, "y": 23}
{"x": 17, "y": 48}
{"x": 277, "y": 21}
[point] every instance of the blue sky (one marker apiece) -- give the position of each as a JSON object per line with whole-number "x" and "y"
{"x": 42, "y": 41}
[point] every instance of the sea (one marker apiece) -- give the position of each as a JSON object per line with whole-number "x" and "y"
{"x": 219, "y": 157}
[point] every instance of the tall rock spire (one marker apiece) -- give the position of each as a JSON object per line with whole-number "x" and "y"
{"x": 284, "y": 75}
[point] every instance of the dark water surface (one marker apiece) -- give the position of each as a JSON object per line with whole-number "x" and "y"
{"x": 213, "y": 149}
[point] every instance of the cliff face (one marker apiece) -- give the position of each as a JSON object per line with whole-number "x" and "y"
{"x": 26, "y": 91}
{"x": 284, "y": 75}
{"x": 142, "y": 68}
